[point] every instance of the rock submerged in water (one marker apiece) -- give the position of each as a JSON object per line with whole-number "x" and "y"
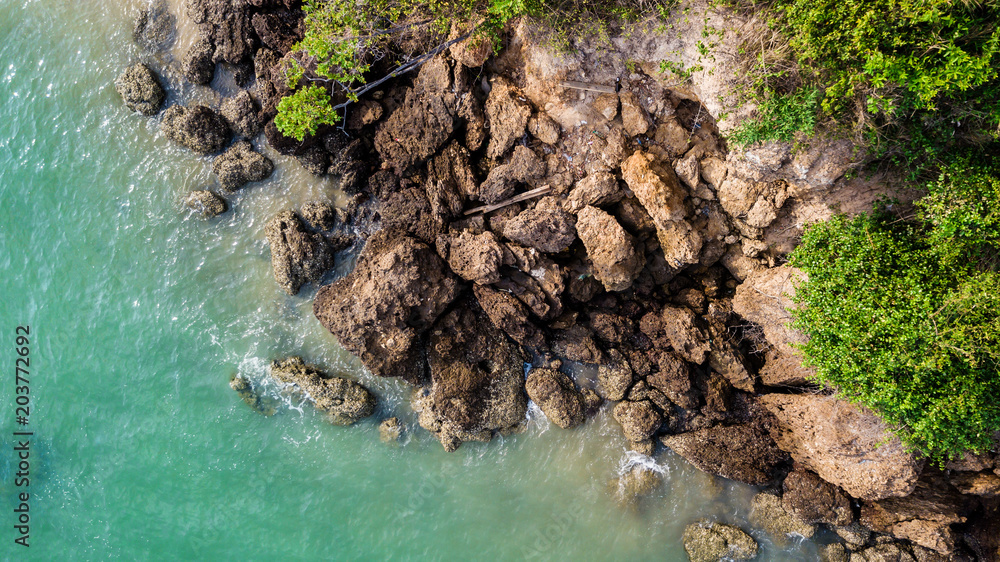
{"x": 390, "y": 430}
{"x": 707, "y": 541}
{"x": 768, "y": 513}
{"x": 556, "y": 394}
{"x": 260, "y": 404}
{"x": 741, "y": 452}
{"x": 196, "y": 127}
{"x": 637, "y": 482}
{"x": 297, "y": 255}
{"x": 140, "y": 89}
{"x": 344, "y": 401}
{"x": 239, "y": 165}
{"x": 206, "y": 203}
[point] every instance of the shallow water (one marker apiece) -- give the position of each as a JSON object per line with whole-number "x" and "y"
{"x": 140, "y": 314}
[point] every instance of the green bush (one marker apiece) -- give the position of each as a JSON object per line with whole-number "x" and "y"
{"x": 903, "y": 316}
{"x": 301, "y": 113}
{"x": 779, "y": 117}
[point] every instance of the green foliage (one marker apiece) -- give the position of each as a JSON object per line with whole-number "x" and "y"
{"x": 302, "y": 113}
{"x": 779, "y": 117}
{"x": 900, "y": 319}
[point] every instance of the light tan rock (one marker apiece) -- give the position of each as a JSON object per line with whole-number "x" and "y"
{"x": 610, "y": 248}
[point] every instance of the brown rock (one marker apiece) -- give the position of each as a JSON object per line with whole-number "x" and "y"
{"x": 206, "y": 203}
{"x": 765, "y": 298}
{"x": 390, "y": 430}
{"x": 986, "y": 484}
{"x": 502, "y": 181}
{"x": 364, "y": 113}
{"x": 474, "y": 257}
{"x": 610, "y": 248}
{"x": 319, "y": 216}
{"x": 506, "y": 117}
{"x": 673, "y": 379}
{"x": 815, "y": 500}
{"x": 378, "y": 312}
{"x": 597, "y": 189}
{"x": 197, "y": 127}
{"x": 706, "y": 541}
{"x": 509, "y": 315}
{"x": 557, "y": 396}
{"x": 141, "y": 89}
{"x": 687, "y": 170}
{"x": 924, "y": 517}
{"x": 416, "y": 129}
{"x": 243, "y": 114}
{"x": 576, "y": 344}
{"x": 740, "y": 452}
{"x": 845, "y": 445}
{"x": 615, "y": 376}
{"x": 687, "y": 339}
{"x": 634, "y": 118}
{"x": 639, "y": 420}
{"x": 606, "y": 105}
{"x": 767, "y": 512}
{"x": 297, "y": 255}
{"x": 544, "y": 128}
{"x": 344, "y": 401}
{"x": 239, "y": 165}
{"x": 754, "y": 203}
{"x": 547, "y": 227}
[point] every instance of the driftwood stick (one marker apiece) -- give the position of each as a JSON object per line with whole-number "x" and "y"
{"x": 515, "y": 199}
{"x": 590, "y": 87}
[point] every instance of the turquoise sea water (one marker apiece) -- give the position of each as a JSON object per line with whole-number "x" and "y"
{"x": 139, "y": 315}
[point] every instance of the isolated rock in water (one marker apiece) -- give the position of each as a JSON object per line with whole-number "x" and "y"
{"x": 662, "y": 195}
{"x": 924, "y": 517}
{"x": 206, "y": 203}
{"x": 741, "y": 452}
{"x": 344, "y": 401}
{"x": 242, "y": 114}
{"x": 140, "y": 89}
{"x": 390, "y": 430}
{"x": 844, "y": 444}
{"x": 260, "y": 404}
{"x": 637, "y": 482}
{"x": 547, "y": 227}
{"x": 815, "y": 500}
{"x": 610, "y": 248}
{"x": 154, "y": 27}
{"x": 477, "y": 379}
{"x": 474, "y": 257}
{"x": 707, "y": 541}
{"x": 197, "y": 127}
{"x": 639, "y": 420}
{"x": 240, "y": 165}
{"x": 507, "y": 114}
{"x": 380, "y": 310}
{"x": 556, "y": 394}
{"x": 197, "y": 64}
{"x": 297, "y": 256}
{"x": 768, "y": 513}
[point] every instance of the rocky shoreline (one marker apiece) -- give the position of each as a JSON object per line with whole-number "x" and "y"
{"x": 508, "y": 221}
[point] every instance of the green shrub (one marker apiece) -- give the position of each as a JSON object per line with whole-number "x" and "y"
{"x": 301, "y": 113}
{"x": 903, "y": 316}
{"x": 779, "y": 117}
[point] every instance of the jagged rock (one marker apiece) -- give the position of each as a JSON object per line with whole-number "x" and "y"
{"x": 350, "y": 164}
{"x": 740, "y": 452}
{"x": 592, "y": 401}
{"x": 615, "y": 376}
{"x": 754, "y": 203}
{"x": 509, "y": 315}
{"x": 610, "y": 249}
{"x": 662, "y": 196}
{"x": 707, "y": 541}
{"x": 319, "y": 216}
{"x": 390, "y": 430}
{"x": 228, "y": 26}
{"x": 713, "y": 171}
{"x": 765, "y": 298}
{"x": 251, "y": 397}
{"x": 890, "y": 552}
{"x": 556, "y": 394}
{"x": 315, "y": 159}
{"x": 206, "y": 203}
{"x": 634, "y": 117}
{"x": 985, "y": 484}
{"x": 279, "y": 30}
{"x": 684, "y": 335}
{"x": 197, "y": 64}
{"x": 597, "y": 189}
{"x": 471, "y": 111}
{"x": 472, "y": 52}
{"x": 855, "y": 535}
{"x": 645, "y": 447}
{"x": 673, "y": 379}
{"x": 815, "y": 500}
{"x": 364, "y": 113}
{"x": 544, "y": 128}
{"x": 844, "y": 444}
{"x": 502, "y": 181}
{"x": 971, "y": 462}
{"x": 672, "y": 136}
{"x": 474, "y": 257}
{"x": 687, "y": 170}
{"x": 297, "y": 256}
{"x": 834, "y": 552}
{"x": 768, "y": 513}
{"x": 380, "y": 310}
{"x": 546, "y": 227}
{"x": 576, "y": 344}
{"x": 197, "y": 128}
{"x": 783, "y": 370}
{"x": 421, "y": 125}
{"x": 639, "y": 420}
{"x": 606, "y": 105}
{"x": 506, "y": 117}
{"x": 140, "y": 89}
{"x": 239, "y": 165}
{"x": 242, "y": 114}
{"x": 925, "y": 516}
{"x": 477, "y": 380}
{"x": 344, "y": 401}
{"x": 408, "y": 211}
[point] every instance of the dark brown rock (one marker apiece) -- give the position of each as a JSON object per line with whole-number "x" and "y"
{"x": 197, "y": 64}
{"x": 242, "y": 114}
{"x": 557, "y": 396}
{"x": 815, "y": 500}
{"x": 141, "y": 89}
{"x": 197, "y": 128}
{"x": 509, "y": 315}
{"x": 924, "y": 517}
{"x": 741, "y": 452}
{"x": 639, "y": 420}
{"x": 547, "y": 227}
{"x": 297, "y": 256}
{"x": 239, "y": 165}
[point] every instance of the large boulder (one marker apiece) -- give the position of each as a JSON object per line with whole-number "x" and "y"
{"x": 662, "y": 195}
{"x": 474, "y": 257}
{"x": 707, "y": 541}
{"x": 614, "y": 376}
{"x": 227, "y": 25}
{"x": 197, "y": 64}
{"x": 741, "y": 452}
{"x": 279, "y": 30}
{"x": 196, "y": 127}
{"x": 140, "y": 89}
{"x": 610, "y": 248}
{"x": 556, "y": 394}
{"x": 546, "y": 227}
{"x": 239, "y": 165}
{"x": 344, "y": 401}
{"x": 297, "y": 255}
{"x": 242, "y": 114}
{"x": 477, "y": 379}
{"x": 380, "y": 310}
{"x": 924, "y": 517}
{"x": 815, "y": 500}
{"x": 510, "y": 315}
{"x": 501, "y": 183}
{"x": 845, "y": 445}
{"x": 206, "y": 203}
{"x": 506, "y": 117}
{"x": 768, "y": 513}
{"x": 765, "y": 298}
{"x": 639, "y": 419}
